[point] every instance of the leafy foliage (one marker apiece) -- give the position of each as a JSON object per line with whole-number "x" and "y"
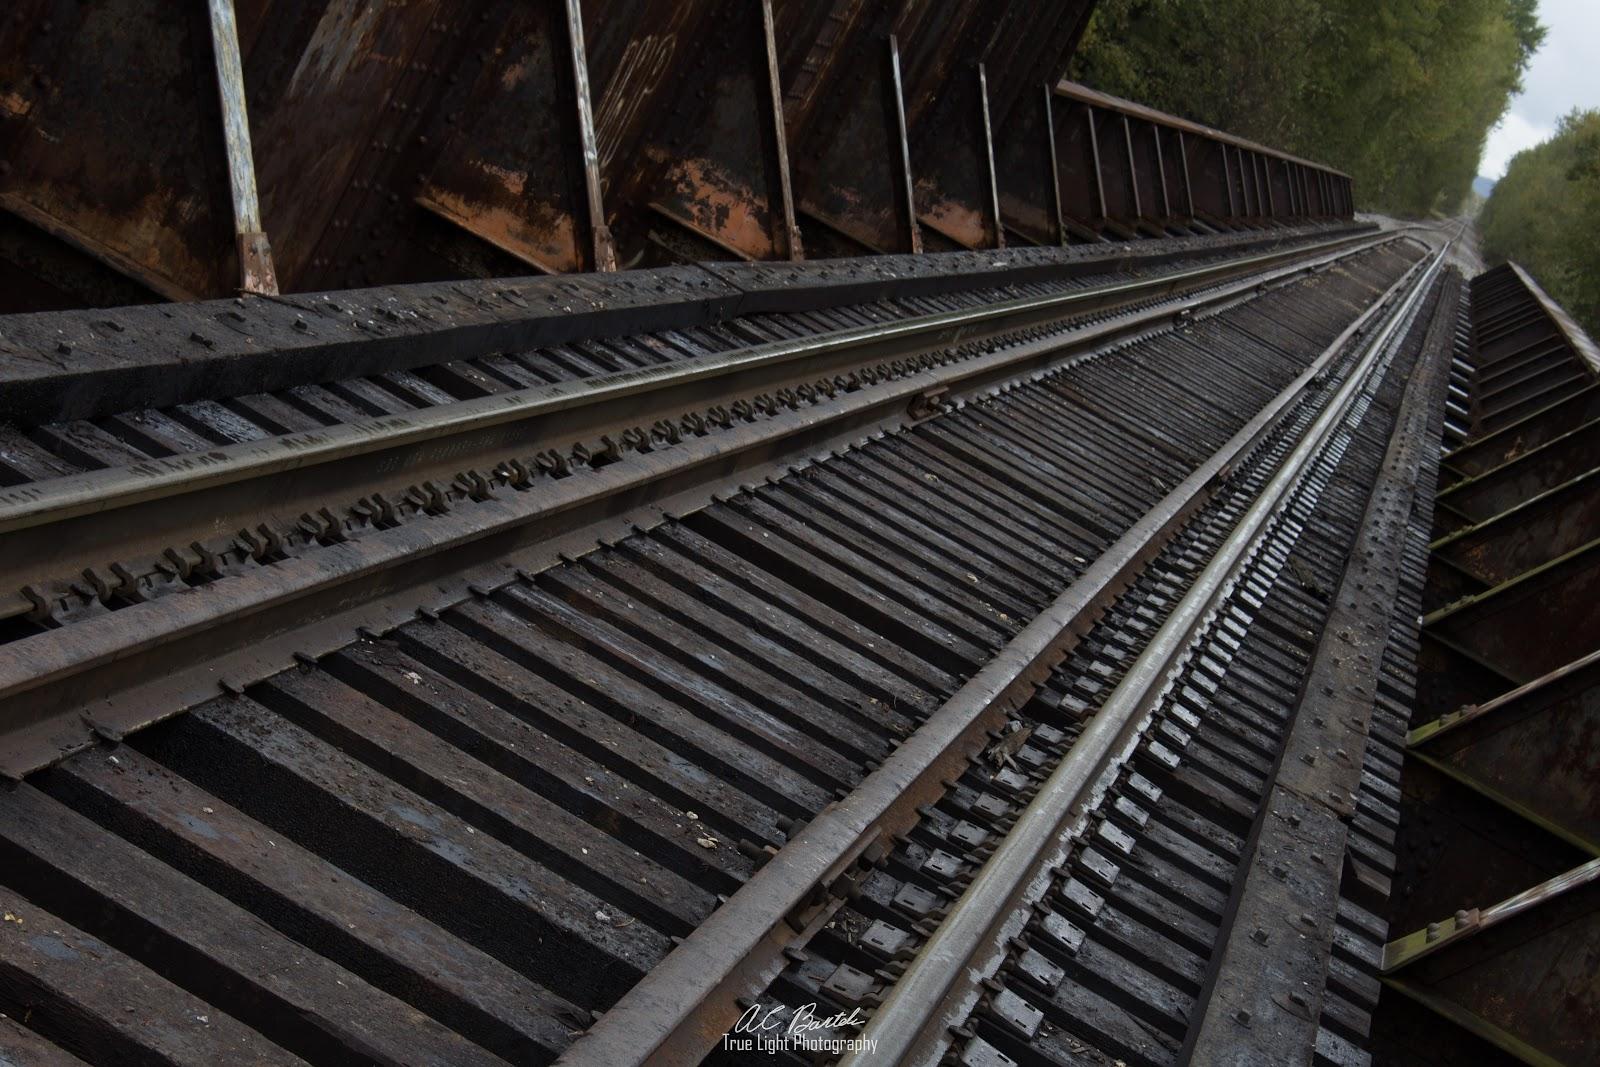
{"x": 1545, "y": 214}
{"x": 1399, "y": 95}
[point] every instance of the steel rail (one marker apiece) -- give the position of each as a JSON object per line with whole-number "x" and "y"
{"x": 741, "y": 370}
{"x": 134, "y": 515}
{"x": 690, "y": 999}
{"x": 109, "y": 674}
{"x": 912, "y": 1019}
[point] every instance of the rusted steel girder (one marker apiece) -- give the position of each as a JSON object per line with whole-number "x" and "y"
{"x": 1514, "y": 540}
{"x": 428, "y": 141}
{"x": 1122, "y": 170}
{"x": 1517, "y": 975}
{"x": 1498, "y": 784}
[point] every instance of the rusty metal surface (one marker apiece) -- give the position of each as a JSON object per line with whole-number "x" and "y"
{"x": 1518, "y": 975}
{"x": 1083, "y": 93}
{"x": 1498, "y": 790}
{"x": 1531, "y": 624}
{"x": 1531, "y": 533}
{"x": 421, "y": 141}
{"x": 156, "y": 209}
{"x": 497, "y": 493}
{"x": 388, "y": 133}
{"x": 725, "y": 173}
{"x": 1573, "y": 335}
{"x": 1532, "y": 748}
{"x": 1522, "y": 478}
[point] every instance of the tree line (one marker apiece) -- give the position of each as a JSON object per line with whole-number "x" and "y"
{"x": 1545, "y": 214}
{"x": 1399, "y": 95}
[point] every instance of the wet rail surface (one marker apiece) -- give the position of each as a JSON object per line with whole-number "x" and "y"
{"x": 460, "y": 839}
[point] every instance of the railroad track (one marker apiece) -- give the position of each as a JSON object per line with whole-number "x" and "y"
{"x": 953, "y": 905}
{"x": 830, "y": 711}
{"x": 290, "y": 522}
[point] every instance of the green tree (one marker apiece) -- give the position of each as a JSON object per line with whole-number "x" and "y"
{"x": 1399, "y": 95}
{"x": 1545, "y": 215}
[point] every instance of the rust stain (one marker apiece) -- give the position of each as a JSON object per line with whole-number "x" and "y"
{"x": 514, "y": 75}
{"x": 143, "y": 240}
{"x": 534, "y": 232}
{"x": 951, "y": 218}
{"x": 513, "y": 181}
{"x": 15, "y": 104}
{"x": 718, "y": 204}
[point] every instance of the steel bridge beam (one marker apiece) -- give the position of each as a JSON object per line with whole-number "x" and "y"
{"x": 1501, "y": 828}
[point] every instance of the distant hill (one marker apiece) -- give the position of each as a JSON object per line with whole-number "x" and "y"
{"x": 1482, "y": 186}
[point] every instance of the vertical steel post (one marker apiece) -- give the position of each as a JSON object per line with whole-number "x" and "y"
{"x": 988, "y": 155}
{"x": 1234, "y": 211}
{"x": 1188, "y": 186}
{"x": 1161, "y": 172}
{"x": 604, "y": 251}
{"x": 1247, "y": 182}
{"x": 791, "y": 231}
{"x": 256, "y": 272}
{"x": 898, "y": 106}
{"x": 1055, "y": 165}
{"x": 1094, "y": 153}
{"x": 1227, "y": 183}
{"x": 1133, "y": 168}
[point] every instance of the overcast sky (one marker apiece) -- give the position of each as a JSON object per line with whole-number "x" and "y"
{"x": 1565, "y": 74}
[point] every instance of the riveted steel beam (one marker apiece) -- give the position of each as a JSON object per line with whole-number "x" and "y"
{"x": 1529, "y": 748}
{"x": 1498, "y": 788}
{"x": 1516, "y": 972}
